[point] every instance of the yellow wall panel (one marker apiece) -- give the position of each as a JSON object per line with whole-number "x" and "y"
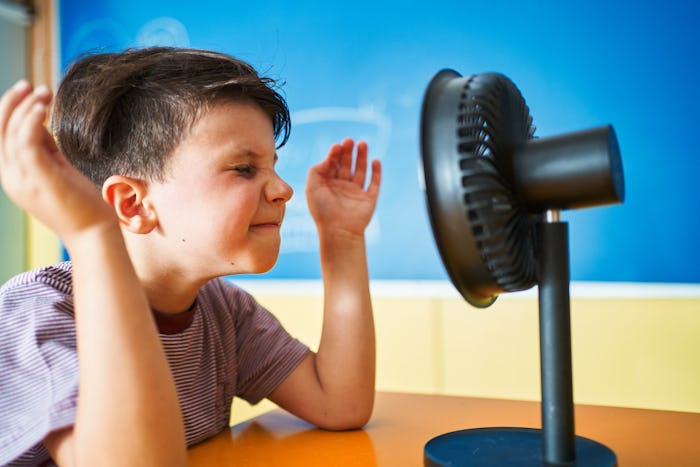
{"x": 491, "y": 352}
{"x": 407, "y": 343}
{"x": 626, "y": 352}
{"x": 637, "y": 353}
{"x": 44, "y": 248}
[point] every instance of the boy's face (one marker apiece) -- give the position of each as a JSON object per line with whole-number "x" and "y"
{"x": 222, "y": 204}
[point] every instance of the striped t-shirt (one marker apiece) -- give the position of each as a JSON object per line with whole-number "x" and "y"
{"x": 226, "y": 345}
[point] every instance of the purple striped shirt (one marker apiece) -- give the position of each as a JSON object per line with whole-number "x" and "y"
{"x": 226, "y": 345}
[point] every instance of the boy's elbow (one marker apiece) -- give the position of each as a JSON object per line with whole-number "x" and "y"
{"x": 353, "y": 419}
{"x": 359, "y": 422}
{"x": 343, "y": 425}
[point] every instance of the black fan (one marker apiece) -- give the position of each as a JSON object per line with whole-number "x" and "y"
{"x": 494, "y": 195}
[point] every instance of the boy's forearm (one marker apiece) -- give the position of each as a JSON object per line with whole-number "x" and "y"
{"x": 346, "y": 354}
{"x": 128, "y": 411}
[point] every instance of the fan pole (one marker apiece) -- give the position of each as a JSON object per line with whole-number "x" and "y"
{"x": 558, "y": 438}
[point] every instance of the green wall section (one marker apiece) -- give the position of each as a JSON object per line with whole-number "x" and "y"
{"x": 13, "y": 66}
{"x": 12, "y": 234}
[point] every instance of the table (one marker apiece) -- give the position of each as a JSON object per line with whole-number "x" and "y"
{"x": 403, "y": 423}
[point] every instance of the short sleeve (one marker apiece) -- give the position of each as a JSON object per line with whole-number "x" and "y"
{"x": 266, "y": 352}
{"x": 39, "y": 368}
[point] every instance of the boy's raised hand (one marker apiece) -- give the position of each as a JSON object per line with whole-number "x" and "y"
{"x": 36, "y": 175}
{"x": 334, "y": 387}
{"x": 336, "y": 193}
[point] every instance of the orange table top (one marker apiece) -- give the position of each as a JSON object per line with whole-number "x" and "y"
{"x": 403, "y": 423}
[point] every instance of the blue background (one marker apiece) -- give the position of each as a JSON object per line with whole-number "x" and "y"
{"x": 360, "y": 69}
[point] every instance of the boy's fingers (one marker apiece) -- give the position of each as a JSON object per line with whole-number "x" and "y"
{"x": 329, "y": 166}
{"x": 376, "y": 180}
{"x": 345, "y": 168}
{"x": 360, "y": 164}
{"x": 9, "y": 102}
{"x": 40, "y": 95}
{"x": 32, "y": 129}
{"x": 49, "y": 141}
{"x": 336, "y": 161}
{"x": 26, "y": 123}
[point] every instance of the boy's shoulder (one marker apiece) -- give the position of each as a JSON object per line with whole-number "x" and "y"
{"x": 57, "y": 277}
{"x": 39, "y": 377}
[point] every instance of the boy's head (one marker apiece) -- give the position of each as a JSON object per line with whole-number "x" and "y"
{"x": 124, "y": 113}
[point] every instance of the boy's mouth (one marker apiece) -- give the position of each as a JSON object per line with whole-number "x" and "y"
{"x": 266, "y": 225}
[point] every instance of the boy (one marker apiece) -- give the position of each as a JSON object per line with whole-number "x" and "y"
{"x": 182, "y": 146}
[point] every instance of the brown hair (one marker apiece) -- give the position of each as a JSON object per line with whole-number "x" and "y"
{"x": 124, "y": 113}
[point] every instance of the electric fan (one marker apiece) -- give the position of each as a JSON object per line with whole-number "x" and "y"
{"x": 494, "y": 195}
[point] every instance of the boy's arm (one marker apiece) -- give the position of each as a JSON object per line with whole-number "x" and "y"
{"x": 334, "y": 388}
{"x": 128, "y": 412}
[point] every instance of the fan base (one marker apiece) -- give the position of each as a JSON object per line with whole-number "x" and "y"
{"x": 517, "y": 447}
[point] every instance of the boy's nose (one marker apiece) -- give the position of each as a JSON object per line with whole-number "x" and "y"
{"x": 279, "y": 191}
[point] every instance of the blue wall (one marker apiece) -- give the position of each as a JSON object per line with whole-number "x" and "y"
{"x": 361, "y": 68}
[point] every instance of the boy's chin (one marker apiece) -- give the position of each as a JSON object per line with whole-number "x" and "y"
{"x": 263, "y": 270}
{"x": 258, "y": 268}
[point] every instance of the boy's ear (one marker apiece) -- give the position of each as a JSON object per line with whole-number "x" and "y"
{"x": 128, "y": 198}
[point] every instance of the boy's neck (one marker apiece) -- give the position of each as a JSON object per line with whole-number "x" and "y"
{"x": 168, "y": 297}
{"x": 169, "y": 289}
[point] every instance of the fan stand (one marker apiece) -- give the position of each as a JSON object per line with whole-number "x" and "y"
{"x": 555, "y": 444}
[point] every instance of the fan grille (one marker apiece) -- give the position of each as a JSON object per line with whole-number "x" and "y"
{"x": 492, "y": 118}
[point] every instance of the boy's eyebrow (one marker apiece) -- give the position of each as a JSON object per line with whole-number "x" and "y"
{"x": 250, "y": 153}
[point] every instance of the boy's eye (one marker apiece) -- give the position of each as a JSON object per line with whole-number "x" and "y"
{"x": 245, "y": 170}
